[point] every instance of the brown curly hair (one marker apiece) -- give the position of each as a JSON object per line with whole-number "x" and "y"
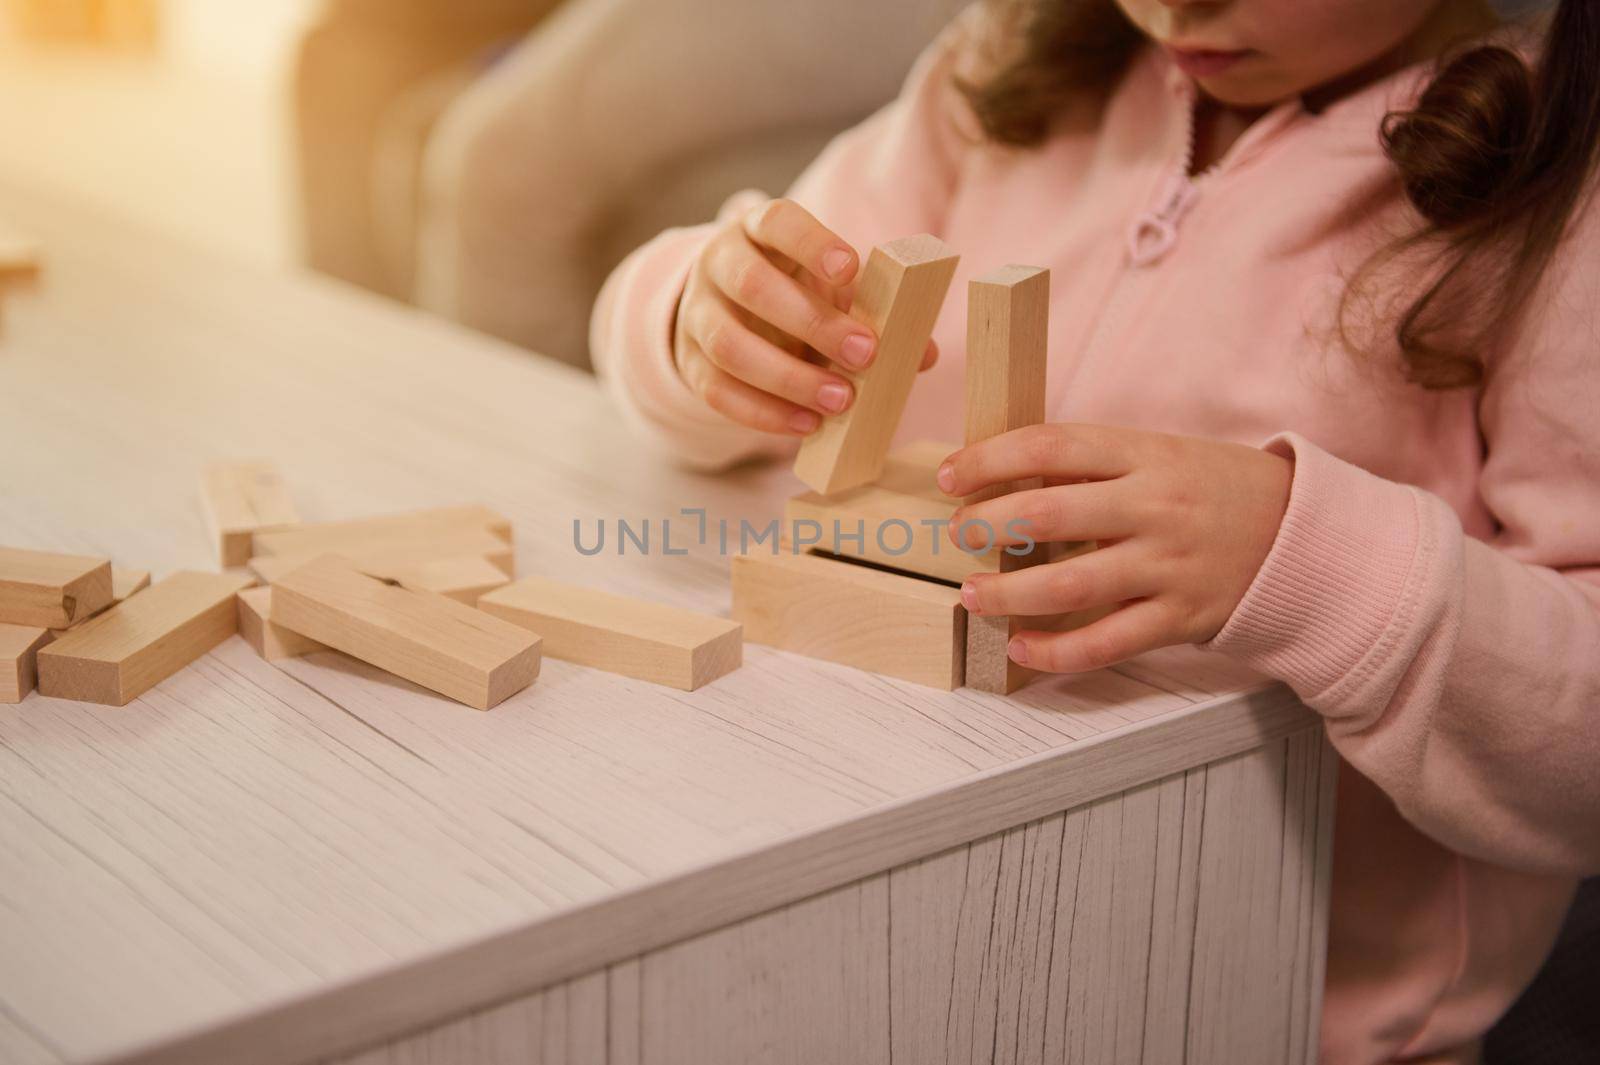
{"x": 1496, "y": 158}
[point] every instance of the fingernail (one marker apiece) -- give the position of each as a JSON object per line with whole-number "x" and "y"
{"x": 803, "y": 421}
{"x": 1018, "y": 652}
{"x": 946, "y": 478}
{"x": 835, "y": 262}
{"x": 856, "y": 349}
{"x": 969, "y": 596}
{"x": 833, "y": 396}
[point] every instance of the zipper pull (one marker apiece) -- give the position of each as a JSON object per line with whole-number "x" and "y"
{"x": 1156, "y": 231}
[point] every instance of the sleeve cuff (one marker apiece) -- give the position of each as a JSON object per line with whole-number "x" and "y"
{"x": 1339, "y": 586}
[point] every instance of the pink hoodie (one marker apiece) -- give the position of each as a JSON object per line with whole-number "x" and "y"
{"x": 1434, "y": 590}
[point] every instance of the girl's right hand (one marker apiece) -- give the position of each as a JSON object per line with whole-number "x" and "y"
{"x": 762, "y": 321}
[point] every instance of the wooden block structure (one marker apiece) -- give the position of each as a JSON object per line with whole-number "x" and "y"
{"x": 138, "y": 643}
{"x": 903, "y": 517}
{"x": 242, "y": 499}
{"x": 428, "y": 639}
{"x": 1008, "y": 315}
{"x": 272, "y": 642}
{"x": 19, "y": 651}
{"x": 853, "y": 614}
{"x": 901, "y": 290}
{"x": 651, "y": 641}
{"x": 46, "y": 590}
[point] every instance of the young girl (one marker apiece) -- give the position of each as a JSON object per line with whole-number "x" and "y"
{"x": 1324, "y": 381}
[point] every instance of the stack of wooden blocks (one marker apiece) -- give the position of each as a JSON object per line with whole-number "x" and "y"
{"x": 891, "y": 603}
{"x": 427, "y": 595}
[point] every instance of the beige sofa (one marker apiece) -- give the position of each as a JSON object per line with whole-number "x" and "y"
{"x": 500, "y": 189}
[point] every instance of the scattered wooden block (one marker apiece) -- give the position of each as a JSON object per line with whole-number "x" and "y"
{"x": 44, "y": 590}
{"x": 436, "y": 642}
{"x": 390, "y": 559}
{"x": 124, "y": 582}
{"x": 415, "y": 529}
{"x": 138, "y": 643}
{"x": 19, "y": 650}
{"x": 271, "y": 641}
{"x": 464, "y": 578}
{"x": 844, "y": 612}
{"x": 899, "y": 295}
{"x": 1008, "y": 318}
{"x": 903, "y": 517}
{"x": 241, "y": 499}
{"x": 652, "y": 641}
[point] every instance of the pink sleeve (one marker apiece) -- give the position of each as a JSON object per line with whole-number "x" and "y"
{"x": 888, "y": 177}
{"x": 1462, "y": 676}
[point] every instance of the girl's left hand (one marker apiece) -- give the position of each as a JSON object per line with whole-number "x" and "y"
{"x": 1183, "y": 525}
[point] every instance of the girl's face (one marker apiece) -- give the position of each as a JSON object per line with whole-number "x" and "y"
{"x": 1254, "y": 53}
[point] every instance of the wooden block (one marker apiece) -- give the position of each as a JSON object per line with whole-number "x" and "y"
{"x": 388, "y": 560}
{"x": 436, "y": 642}
{"x": 652, "y": 641}
{"x": 899, "y": 295}
{"x": 19, "y": 259}
{"x": 124, "y": 582}
{"x": 242, "y": 498}
{"x": 19, "y": 650}
{"x": 271, "y": 641}
{"x": 1008, "y": 316}
{"x": 412, "y": 529}
{"x": 43, "y": 590}
{"x": 893, "y": 513}
{"x": 464, "y": 578}
{"x": 888, "y": 623}
{"x": 138, "y": 643}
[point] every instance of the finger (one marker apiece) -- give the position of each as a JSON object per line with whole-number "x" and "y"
{"x": 930, "y": 355}
{"x": 747, "y": 278}
{"x": 1087, "y": 510}
{"x": 1095, "y": 578}
{"x": 1142, "y": 625}
{"x": 742, "y": 403}
{"x": 733, "y": 346}
{"x": 792, "y": 231}
{"x": 1051, "y": 450}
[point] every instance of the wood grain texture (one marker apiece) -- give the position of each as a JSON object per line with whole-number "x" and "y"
{"x": 316, "y": 855}
{"x": 430, "y": 640}
{"x": 19, "y": 650}
{"x": 44, "y": 589}
{"x": 240, "y": 499}
{"x": 843, "y": 612}
{"x": 1068, "y": 938}
{"x": 899, "y": 294}
{"x": 271, "y": 641}
{"x": 637, "y": 638}
{"x": 118, "y": 656}
{"x": 1008, "y": 318}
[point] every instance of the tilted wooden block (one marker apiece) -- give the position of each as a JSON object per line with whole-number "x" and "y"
{"x": 19, "y": 650}
{"x": 124, "y": 582}
{"x": 241, "y": 499}
{"x": 405, "y": 555}
{"x": 1008, "y": 317}
{"x": 49, "y": 591}
{"x": 902, "y": 287}
{"x": 417, "y": 528}
{"x": 429, "y": 640}
{"x": 141, "y": 641}
{"x": 903, "y": 518}
{"x": 271, "y": 641}
{"x": 652, "y": 641}
{"x": 853, "y": 614}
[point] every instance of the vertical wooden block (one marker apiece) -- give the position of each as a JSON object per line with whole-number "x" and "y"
{"x": 44, "y": 590}
{"x": 19, "y": 650}
{"x": 241, "y": 498}
{"x": 902, "y": 287}
{"x": 272, "y": 642}
{"x": 888, "y": 623}
{"x": 429, "y": 640}
{"x": 651, "y": 641}
{"x": 132, "y": 647}
{"x": 1008, "y": 316}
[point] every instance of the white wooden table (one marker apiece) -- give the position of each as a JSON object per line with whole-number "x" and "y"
{"x": 799, "y": 863}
